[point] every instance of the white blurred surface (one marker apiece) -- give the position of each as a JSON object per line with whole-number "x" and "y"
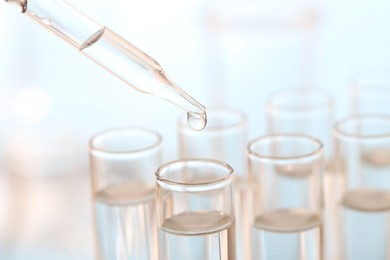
{"x": 47, "y": 214}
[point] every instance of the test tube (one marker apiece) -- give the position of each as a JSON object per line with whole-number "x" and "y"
{"x": 112, "y": 52}
{"x": 369, "y": 93}
{"x": 305, "y": 110}
{"x": 195, "y": 210}
{"x": 363, "y": 159}
{"x": 309, "y": 111}
{"x": 123, "y": 162}
{"x": 287, "y": 203}
{"x": 224, "y": 139}
{"x": 243, "y": 37}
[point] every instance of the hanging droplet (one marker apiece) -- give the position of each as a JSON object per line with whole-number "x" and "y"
{"x": 197, "y": 121}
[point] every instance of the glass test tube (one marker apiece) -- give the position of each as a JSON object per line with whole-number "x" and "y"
{"x": 244, "y": 36}
{"x": 224, "y": 139}
{"x": 287, "y": 203}
{"x": 112, "y": 52}
{"x": 195, "y": 210}
{"x": 370, "y": 93}
{"x": 303, "y": 110}
{"x": 309, "y": 111}
{"x": 123, "y": 162}
{"x": 363, "y": 158}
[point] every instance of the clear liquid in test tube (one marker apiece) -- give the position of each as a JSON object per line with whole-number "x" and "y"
{"x": 287, "y": 197}
{"x": 309, "y": 110}
{"x": 195, "y": 210}
{"x": 362, "y": 157}
{"x": 112, "y": 52}
{"x": 122, "y": 163}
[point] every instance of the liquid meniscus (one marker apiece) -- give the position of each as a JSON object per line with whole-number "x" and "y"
{"x": 125, "y": 222}
{"x": 288, "y": 220}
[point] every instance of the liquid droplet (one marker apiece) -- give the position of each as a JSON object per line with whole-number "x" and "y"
{"x": 197, "y": 121}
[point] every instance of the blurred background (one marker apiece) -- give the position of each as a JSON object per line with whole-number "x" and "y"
{"x": 223, "y": 53}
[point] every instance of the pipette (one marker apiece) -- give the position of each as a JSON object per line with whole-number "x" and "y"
{"x": 112, "y": 52}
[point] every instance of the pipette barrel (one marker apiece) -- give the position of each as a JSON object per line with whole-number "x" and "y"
{"x": 111, "y": 51}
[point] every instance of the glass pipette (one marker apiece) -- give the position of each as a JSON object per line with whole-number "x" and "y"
{"x": 112, "y": 52}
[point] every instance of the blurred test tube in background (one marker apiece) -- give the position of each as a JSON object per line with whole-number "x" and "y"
{"x": 309, "y": 110}
{"x": 123, "y": 162}
{"x": 362, "y": 158}
{"x": 369, "y": 93}
{"x": 254, "y": 48}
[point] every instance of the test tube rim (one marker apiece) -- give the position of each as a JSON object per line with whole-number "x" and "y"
{"x": 228, "y": 176}
{"x": 109, "y": 131}
{"x": 327, "y": 105}
{"x": 316, "y": 152}
{"x": 364, "y": 81}
{"x": 341, "y": 134}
